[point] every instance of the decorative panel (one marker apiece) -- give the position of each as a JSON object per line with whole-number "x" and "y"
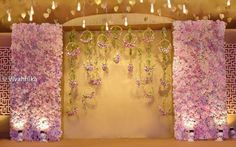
{"x": 5, "y": 67}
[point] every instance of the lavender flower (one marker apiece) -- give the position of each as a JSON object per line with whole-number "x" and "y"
{"x": 104, "y": 67}
{"x": 89, "y": 67}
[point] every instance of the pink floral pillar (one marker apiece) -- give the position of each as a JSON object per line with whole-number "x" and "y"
{"x": 35, "y": 81}
{"x": 199, "y": 79}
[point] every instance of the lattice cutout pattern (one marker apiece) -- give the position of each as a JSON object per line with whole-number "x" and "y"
{"x": 230, "y": 53}
{"x": 5, "y": 68}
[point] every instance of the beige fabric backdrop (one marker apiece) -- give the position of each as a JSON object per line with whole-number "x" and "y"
{"x": 120, "y": 111}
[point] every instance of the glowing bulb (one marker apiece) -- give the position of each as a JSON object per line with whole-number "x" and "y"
{"x": 78, "y": 6}
{"x": 141, "y": 1}
{"x": 169, "y": 4}
{"x": 53, "y": 5}
{"x": 107, "y": 26}
{"x": 152, "y": 8}
{"x": 126, "y": 21}
{"x": 31, "y": 17}
{"x": 32, "y": 10}
{"x": 84, "y": 24}
{"x": 228, "y": 3}
{"x": 8, "y": 16}
{"x": 185, "y": 11}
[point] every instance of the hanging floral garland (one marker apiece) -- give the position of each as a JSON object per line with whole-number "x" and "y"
{"x": 72, "y": 51}
{"x": 130, "y": 40}
{"x": 116, "y": 32}
{"x": 103, "y": 44}
{"x": 91, "y": 67}
{"x": 165, "y": 87}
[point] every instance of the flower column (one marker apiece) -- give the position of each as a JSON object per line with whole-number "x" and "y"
{"x": 35, "y": 92}
{"x": 199, "y": 79}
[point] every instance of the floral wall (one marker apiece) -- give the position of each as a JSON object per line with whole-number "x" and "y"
{"x": 36, "y": 81}
{"x": 199, "y": 79}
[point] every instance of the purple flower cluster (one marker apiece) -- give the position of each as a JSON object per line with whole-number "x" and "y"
{"x": 89, "y": 67}
{"x": 199, "y": 78}
{"x": 130, "y": 68}
{"x": 36, "y": 51}
{"x": 148, "y": 69}
{"x": 104, "y": 67}
{"x": 74, "y": 53}
{"x": 95, "y": 82}
{"x": 116, "y": 59}
{"x": 129, "y": 45}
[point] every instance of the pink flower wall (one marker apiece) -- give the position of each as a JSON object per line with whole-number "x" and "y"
{"x": 199, "y": 79}
{"x": 35, "y": 81}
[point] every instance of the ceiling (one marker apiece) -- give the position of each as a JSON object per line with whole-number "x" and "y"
{"x": 66, "y": 10}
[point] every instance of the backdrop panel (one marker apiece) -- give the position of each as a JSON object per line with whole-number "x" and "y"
{"x": 35, "y": 80}
{"x": 126, "y": 104}
{"x": 199, "y": 79}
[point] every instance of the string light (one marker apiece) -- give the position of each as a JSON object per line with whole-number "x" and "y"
{"x": 8, "y": 16}
{"x": 126, "y": 21}
{"x": 107, "y": 26}
{"x": 78, "y": 6}
{"x": 228, "y": 3}
{"x": 152, "y": 10}
{"x": 185, "y": 11}
{"x": 141, "y": 1}
{"x": 84, "y": 24}
{"x": 53, "y": 5}
{"x": 169, "y": 4}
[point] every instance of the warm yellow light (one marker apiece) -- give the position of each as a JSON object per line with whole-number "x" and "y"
{"x": 32, "y": 10}
{"x": 152, "y": 10}
{"x": 78, "y": 6}
{"x": 126, "y": 21}
{"x": 84, "y": 24}
{"x": 185, "y": 11}
{"x": 31, "y": 17}
{"x": 53, "y": 5}
{"x": 169, "y": 4}
{"x": 43, "y": 124}
{"x": 141, "y": 1}
{"x": 107, "y": 26}
{"x": 9, "y": 17}
{"x": 19, "y": 125}
{"x": 228, "y": 3}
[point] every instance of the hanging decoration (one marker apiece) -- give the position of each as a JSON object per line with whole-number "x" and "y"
{"x": 129, "y": 41}
{"x": 165, "y": 83}
{"x": 72, "y": 51}
{"x": 115, "y": 33}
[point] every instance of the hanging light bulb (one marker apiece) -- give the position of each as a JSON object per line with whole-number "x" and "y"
{"x": 228, "y": 3}
{"x": 32, "y": 10}
{"x": 53, "y": 5}
{"x": 152, "y": 10}
{"x": 31, "y": 17}
{"x": 8, "y": 16}
{"x": 78, "y": 6}
{"x": 84, "y": 24}
{"x": 169, "y": 4}
{"x": 107, "y": 26}
{"x": 141, "y": 1}
{"x": 126, "y": 21}
{"x": 185, "y": 11}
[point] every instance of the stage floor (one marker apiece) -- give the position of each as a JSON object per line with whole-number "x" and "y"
{"x": 119, "y": 143}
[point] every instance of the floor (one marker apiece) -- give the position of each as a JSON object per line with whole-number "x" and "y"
{"x": 120, "y": 143}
